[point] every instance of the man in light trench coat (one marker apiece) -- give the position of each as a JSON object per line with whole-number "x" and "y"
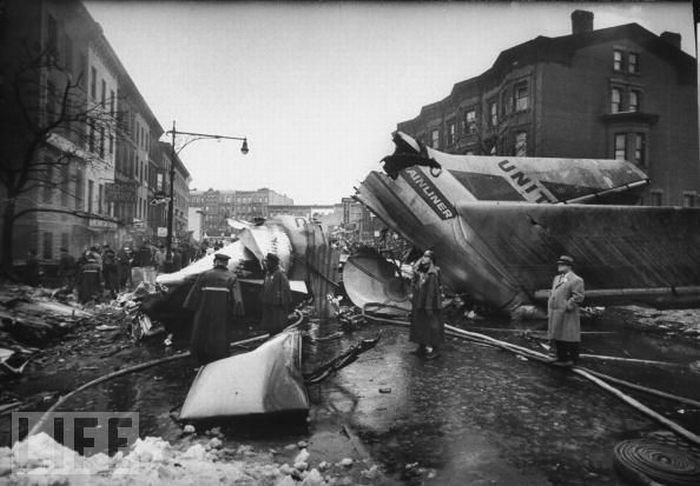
{"x": 564, "y": 319}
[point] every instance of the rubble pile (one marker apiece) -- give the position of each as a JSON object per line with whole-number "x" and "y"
{"x": 152, "y": 460}
{"x": 139, "y": 325}
{"x": 30, "y": 319}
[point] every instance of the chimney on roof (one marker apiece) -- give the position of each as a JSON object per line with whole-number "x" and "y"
{"x": 672, "y": 38}
{"x": 581, "y": 21}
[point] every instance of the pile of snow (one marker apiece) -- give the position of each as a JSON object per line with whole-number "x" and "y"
{"x": 40, "y": 460}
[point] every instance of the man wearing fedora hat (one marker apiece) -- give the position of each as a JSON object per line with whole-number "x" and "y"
{"x": 564, "y": 319}
{"x": 216, "y": 300}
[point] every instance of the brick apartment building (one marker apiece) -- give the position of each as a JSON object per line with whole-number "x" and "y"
{"x": 620, "y": 92}
{"x": 100, "y": 169}
{"x": 217, "y": 206}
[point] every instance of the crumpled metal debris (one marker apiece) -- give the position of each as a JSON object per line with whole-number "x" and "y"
{"x": 30, "y": 318}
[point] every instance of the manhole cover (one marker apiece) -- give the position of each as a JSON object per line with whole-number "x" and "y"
{"x": 662, "y": 463}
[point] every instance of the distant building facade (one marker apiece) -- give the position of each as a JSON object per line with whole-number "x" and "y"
{"x": 218, "y": 206}
{"x": 358, "y": 222}
{"x": 308, "y": 211}
{"x": 620, "y": 92}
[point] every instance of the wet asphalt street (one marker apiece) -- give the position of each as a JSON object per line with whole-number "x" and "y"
{"x": 477, "y": 415}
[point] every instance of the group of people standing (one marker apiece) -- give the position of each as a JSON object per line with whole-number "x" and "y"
{"x": 217, "y": 303}
{"x": 564, "y": 321}
{"x": 97, "y": 269}
{"x": 100, "y": 269}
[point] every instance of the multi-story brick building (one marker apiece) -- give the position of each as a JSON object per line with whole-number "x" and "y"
{"x": 61, "y": 124}
{"x": 96, "y": 136}
{"x": 138, "y": 155}
{"x": 181, "y": 192}
{"x": 217, "y": 206}
{"x": 619, "y": 92}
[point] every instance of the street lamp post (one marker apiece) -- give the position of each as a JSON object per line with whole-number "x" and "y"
{"x": 171, "y": 202}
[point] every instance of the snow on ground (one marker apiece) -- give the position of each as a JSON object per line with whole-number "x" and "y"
{"x": 39, "y": 460}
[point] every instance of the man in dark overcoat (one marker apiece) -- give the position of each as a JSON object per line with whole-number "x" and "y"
{"x": 216, "y": 301}
{"x": 427, "y": 327}
{"x": 89, "y": 279}
{"x": 32, "y": 269}
{"x": 110, "y": 270}
{"x": 124, "y": 259}
{"x": 67, "y": 269}
{"x": 275, "y": 296}
{"x": 563, "y": 311}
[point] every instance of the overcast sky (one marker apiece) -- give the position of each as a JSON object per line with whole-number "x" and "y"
{"x": 319, "y": 87}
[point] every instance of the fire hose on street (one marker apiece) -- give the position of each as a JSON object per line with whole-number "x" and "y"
{"x": 643, "y": 461}
{"x": 583, "y": 372}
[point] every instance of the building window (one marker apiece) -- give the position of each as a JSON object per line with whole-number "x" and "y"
{"x": 79, "y": 190}
{"x": 100, "y": 193}
{"x": 65, "y": 185}
{"x": 111, "y": 143}
{"x": 521, "y": 97}
{"x": 48, "y": 183}
{"x": 615, "y": 100}
{"x": 434, "y": 139}
{"x": 52, "y": 36}
{"x": 657, "y": 197}
{"x": 633, "y": 63}
{"x": 634, "y": 100}
{"x": 505, "y": 105}
{"x": 618, "y": 60}
{"x": 83, "y": 69}
{"x": 521, "y": 144}
{"x": 688, "y": 199}
{"x": 620, "y": 146}
{"x": 451, "y": 132}
{"x": 102, "y": 142}
{"x": 104, "y": 94}
{"x": 91, "y": 190}
{"x": 47, "y": 246}
{"x": 65, "y": 240}
{"x": 93, "y": 82}
{"x": 112, "y": 102}
{"x": 470, "y": 121}
{"x": 640, "y": 144}
{"x": 493, "y": 112}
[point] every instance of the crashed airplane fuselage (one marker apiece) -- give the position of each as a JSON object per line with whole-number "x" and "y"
{"x": 285, "y": 236}
{"x": 496, "y": 224}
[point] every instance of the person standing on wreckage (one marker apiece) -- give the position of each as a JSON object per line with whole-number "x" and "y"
{"x": 275, "y": 296}
{"x": 564, "y": 324}
{"x": 216, "y": 301}
{"x": 427, "y": 327}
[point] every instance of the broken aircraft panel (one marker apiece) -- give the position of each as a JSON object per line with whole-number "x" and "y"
{"x": 285, "y": 236}
{"x": 370, "y": 279}
{"x": 496, "y": 224}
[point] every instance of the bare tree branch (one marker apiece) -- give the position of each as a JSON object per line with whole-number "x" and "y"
{"x": 79, "y": 214}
